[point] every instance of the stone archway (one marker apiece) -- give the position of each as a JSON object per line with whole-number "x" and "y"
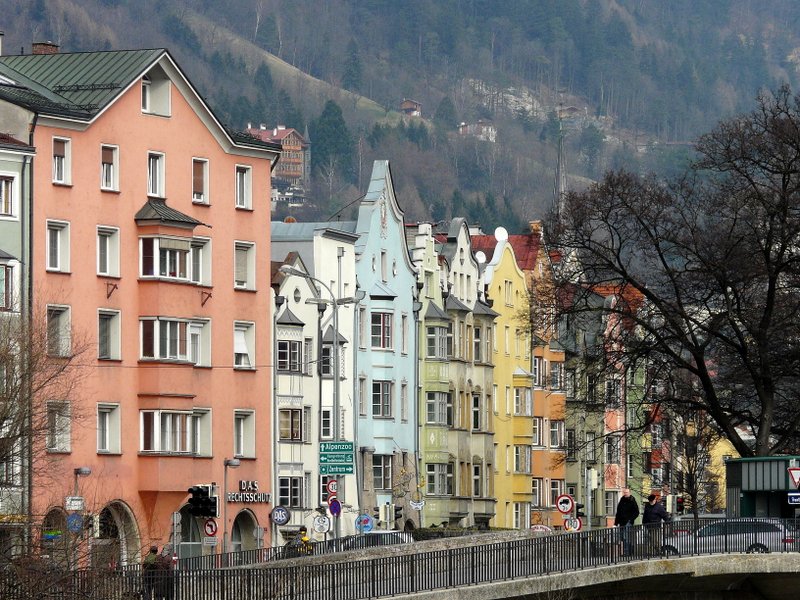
{"x": 190, "y": 541}
{"x": 242, "y": 531}
{"x": 117, "y": 540}
{"x": 55, "y": 539}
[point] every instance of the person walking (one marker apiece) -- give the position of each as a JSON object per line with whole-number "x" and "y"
{"x": 149, "y": 566}
{"x": 654, "y": 514}
{"x": 627, "y": 512}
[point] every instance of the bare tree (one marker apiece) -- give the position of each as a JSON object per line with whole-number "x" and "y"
{"x": 713, "y": 257}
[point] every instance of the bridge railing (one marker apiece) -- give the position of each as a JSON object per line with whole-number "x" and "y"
{"x": 409, "y": 573}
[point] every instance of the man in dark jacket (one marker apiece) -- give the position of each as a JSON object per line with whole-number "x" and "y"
{"x": 654, "y": 514}
{"x": 627, "y": 511}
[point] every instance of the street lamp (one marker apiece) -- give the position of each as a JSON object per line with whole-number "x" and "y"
{"x": 233, "y": 463}
{"x": 80, "y": 472}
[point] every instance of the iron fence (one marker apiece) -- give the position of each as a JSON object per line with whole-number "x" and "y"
{"x": 406, "y": 573}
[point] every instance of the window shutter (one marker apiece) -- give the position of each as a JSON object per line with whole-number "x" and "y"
{"x": 175, "y": 244}
{"x": 59, "y": 148}
{"x": 197, "y": 177}
{"x": 107, "y": 155}
{"x": 241, "y": 265}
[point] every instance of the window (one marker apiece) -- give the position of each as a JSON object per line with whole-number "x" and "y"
{"x": 556, "y": 489}
{"x": 477, "y": 481}
{"x": 437, "y": 408}
{"x": 611, "y": 503}
{"x": 200, "y": 261}
{"x": 630, "y": 466}
{"x": 507, "y": 339}
{"x": 155, "y": 174}
{"x": 172, "y": 432}
{"x": 58, "y": 246}
{"x": 477, "y": 345}
{"x": 146, "y": 89}
{"x": 244, "y": 345}
{"x": 108, "y": 337}
{"x": 591, "y": 451}
{"x": 6, "y": 287}
{"x": 59, "y": 341}
{"x": 326, "y": 424}
{"x": 382, "y": 399}
{"x": 508, "y": 289}
{"x": 326, "y": 363}
{"x": 164, "y": 339}
{"x": 186, "y": 259}
{"x": 323, "y": 488}
{"x": 58, "y": 427}
{"x": 476, "y": 412}
{"x": 243, "y": 187}
{"x": 62, "y": 160}
{"x": 655, "y": 432}
{"x": 200, "y": 180}
{"x": 108, "y": 251}
{"x": 244, "y": 265}
{"x": 404, "y": 401}
{"x": 522, "y": 459}
{"x": 362, "y": 396}
{"x": 290, "y": 424}
{"x": 362, "y": 327}
{"x": 290, "y": 491}
{"x": 612, "y": 391}
{"x": 537, "y": 371}
{"x": 569, "y": 384}
{"x": 7, "y": 206}
{"x": 536, "y": 491}
{"x": 537, "y": 432}
{"x": 591, "y": 389}
{"x": 522, "y": 402}
{"x": 571, "y": 445}
{"x": 108, "y": 429}
{"x": 382, "y": 471}
{"x": 381, "y": 330}
{"x": 450, "y": 344}
{"x": 612, "y": 449}
{"x": 289, "y": 356}
{"x": 556, "y": 434}
{"x": 556, "y": 370}
{"x": 244, "y": 433}
{"x": 439, "y": 479}
{"x": 436, "y": 342}
{"x": 522, "y": 515}
{"x": 200, "y": 343}
{"x": 404, "y": 334}
{"x": 109, "y": 168}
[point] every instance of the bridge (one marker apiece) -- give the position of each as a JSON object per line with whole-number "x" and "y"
{"x": 744, "y": 558}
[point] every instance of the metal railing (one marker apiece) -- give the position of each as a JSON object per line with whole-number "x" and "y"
{"x": 410, "y": 573}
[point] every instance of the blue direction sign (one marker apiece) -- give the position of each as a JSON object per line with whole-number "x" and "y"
{"x": 364, "y": 523}
{"x": 280, "y": 515}
{"x": 75, "y": 522}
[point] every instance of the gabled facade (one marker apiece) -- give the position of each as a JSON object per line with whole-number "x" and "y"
{"x": 150, "y": 258}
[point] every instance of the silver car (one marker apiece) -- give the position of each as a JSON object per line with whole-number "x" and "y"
{"x": 731, "y": 535}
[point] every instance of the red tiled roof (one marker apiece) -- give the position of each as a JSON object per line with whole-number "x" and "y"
{"x": 8, "y": 139}
{"x": 266, "y": 135}
{"x": 484, "y": 243}
{"x": 526, "y": 249}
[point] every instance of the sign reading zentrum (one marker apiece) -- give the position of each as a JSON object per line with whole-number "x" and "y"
{"x": 336, "y": 458}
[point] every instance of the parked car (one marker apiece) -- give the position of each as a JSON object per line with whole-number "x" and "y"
{"x": 732, "y": 535}
{"x": 374, "y": 539}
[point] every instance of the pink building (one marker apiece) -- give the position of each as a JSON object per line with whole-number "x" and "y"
{"x": 150, "y": 266}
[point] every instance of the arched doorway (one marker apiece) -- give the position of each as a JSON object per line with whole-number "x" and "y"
{"x": 55, "y": 539}
{"x": 117, "y": 539}
{"x": 242, "y": 537}
{"x": 190, "y": 543}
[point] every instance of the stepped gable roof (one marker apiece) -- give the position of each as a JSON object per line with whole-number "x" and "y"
{"x": 156, "y": 209}
{"x": 526, "y": 249}
{"x": 289, "y": 318}
{"x": 434, "y": 312}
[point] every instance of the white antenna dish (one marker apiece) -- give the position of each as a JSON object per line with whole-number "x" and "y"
{"x": 500, "y": 234}
{"x": 480, "y": 257}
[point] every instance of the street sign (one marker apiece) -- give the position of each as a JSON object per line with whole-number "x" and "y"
{"x": 539, "y": 528}
{"x": 573, "y": 524}
{"x": 210, "y": 527}
{"x": 209, "y": 541}
{"x": 416, "y": 504}
{"x": 335, "y": 458}
{"x": 794, "y": 476}
{"x": 326, "y": 447}
{"x": 322, "y": 524}
{"x": 792, "y": 498}
{"x": 331, "y": 497}
{"x": 565, "y": 504}
{"x": 75, "y": 522}
{"x": 364, "y": 523}
{"x": 280, "y": 515}
{"x": 336, "y": 469}
{"x": 335, "y": 507}
{"x": 332, "y": 486}
{"x": 73, "y": 503}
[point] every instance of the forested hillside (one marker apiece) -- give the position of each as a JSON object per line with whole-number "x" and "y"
{"x": 635, "y": 82}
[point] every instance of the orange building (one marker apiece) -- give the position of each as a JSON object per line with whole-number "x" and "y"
{"x": 150, "y": 266}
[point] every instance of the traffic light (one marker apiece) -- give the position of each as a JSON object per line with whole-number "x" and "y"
{"x": 212, "y": 507}
{"x": 376, "y": 514}
{"x": 679, "y": 508}
{"x": 579, "y": 511}
{"x": 398, "y": 512}
{"x": 202, "y": 503}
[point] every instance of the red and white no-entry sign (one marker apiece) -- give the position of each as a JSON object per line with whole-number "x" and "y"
{"x": 210, "y": 527}
{"x": 565, "y": 504}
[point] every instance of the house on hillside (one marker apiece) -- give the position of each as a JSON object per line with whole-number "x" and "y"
{"x": 483, "y": 130}
{"x": 291, "y": 176}
{"x": 411, "y": 108}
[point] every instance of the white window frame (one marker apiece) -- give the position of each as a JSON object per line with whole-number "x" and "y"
{"x": 186, "y": 432}
{"x": 156, "y": 170}
{"x": 290, "y": 491}
{"x": 107, "y": 251}
{"x": 146, "y": 94}
{"x": 244, "y": 345}
{"x": 436, "y": 342}
{"x": 59, "y": 426}
{"x": 109, "y": 171}
{"x": 289, "y": 356}
{"x": 108, "y": 428}
{"x": 291, "y": 424}
{"x": 537, "y": 484}
{"x": 199, "y": 342}
{"x": 556, "y": 490}
{"x": 439, "y": 479}
{"x": 244, "y": 433}
{"x": 110, "y": 319}
{"x": 62, "y": 165}
{"x": 382, "y": 471}
{"x": 59, "y": 330}
{"x": 591, "y": 446}
{"x": 200, "y": 261}
{"x": 536, "y": 428}
{"x": 58, "y": 246}
{"x": 383, "y": 391}
{"x": 522, "y": 515}
{"x": 381, "y": 323}
{"x": 477, "y": 481}
{"x": 556, "y": 434}
{"x": 404, "y": 402}
{"x": 200, "y": 185}
{"x": 9, "y": 285}
{"x": 9, "y": 193}
{"x": 326, "y": 424}
{"x": 523, "y": 401}
{"x": 244, "y": 265}
{"x": 243, "y": 187}
{"x": 522, "y": 458}
{"x": 436, "y": 404}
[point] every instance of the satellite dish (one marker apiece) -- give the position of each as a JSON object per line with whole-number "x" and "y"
{"x": 500, "y": 234}
{"x": 480, "y": 257}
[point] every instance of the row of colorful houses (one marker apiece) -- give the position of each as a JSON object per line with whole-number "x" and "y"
{"x": 423, "y": 369}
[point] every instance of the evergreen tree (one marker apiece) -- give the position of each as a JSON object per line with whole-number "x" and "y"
{"x": 351, "y": 77}
{"x": 333, "y": 143}
{"x": 445, "y": 114}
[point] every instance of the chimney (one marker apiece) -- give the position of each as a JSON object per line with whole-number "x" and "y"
{"x": 535, "y": 227}
{"x": 249, "y": 126}
{"x": 44, "y": 48}
{"x": 263, "y": 126}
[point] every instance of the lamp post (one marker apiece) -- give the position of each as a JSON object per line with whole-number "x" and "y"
{"x": 335, "y": 303}
{"x": 233, "y": 463}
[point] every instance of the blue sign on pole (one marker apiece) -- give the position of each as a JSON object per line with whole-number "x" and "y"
{"x": 75, "y": 522}
{"x": 335, "y": 507}
{"x": 364, "y": 523}
{"x": 280, "y": 515}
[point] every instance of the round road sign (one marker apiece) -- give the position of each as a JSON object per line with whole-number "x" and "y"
{"x": 280, "y": 515}
{"x": 332, "y": 486}
{"x": 573, "y": 524}
{"x": 334, "y": 506}
{"x": 539, "y": 528}
{"x": 565, "y": 504}
{"x": 364, "y": 523}
{"x": 322, "y": 524}
{"x": 74, "y": 522}
{"x": 210, "y": 527}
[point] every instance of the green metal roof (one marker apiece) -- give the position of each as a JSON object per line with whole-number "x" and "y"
{"x": 77, "y": 83}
